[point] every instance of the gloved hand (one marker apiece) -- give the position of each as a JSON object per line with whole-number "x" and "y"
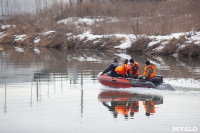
{"x": 144, "y": 78}
{"x": 101, "y": 73}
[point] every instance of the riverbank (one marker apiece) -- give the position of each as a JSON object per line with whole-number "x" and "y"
{"x": 160, "y": 29}
{"x": 177, "y": 44}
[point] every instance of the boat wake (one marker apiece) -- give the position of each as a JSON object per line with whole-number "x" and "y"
{"x": 163, "y": 90}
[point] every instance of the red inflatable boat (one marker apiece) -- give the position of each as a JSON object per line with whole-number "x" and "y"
{"x": 120, "y": 82}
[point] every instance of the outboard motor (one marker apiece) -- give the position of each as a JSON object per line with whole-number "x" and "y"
{"x": 157, "y": 79}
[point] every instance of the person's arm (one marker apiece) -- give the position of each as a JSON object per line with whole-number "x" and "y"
{"x": 108, "y": 69}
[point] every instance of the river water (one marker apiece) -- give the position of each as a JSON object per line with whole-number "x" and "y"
{"x": 52, "y": 90}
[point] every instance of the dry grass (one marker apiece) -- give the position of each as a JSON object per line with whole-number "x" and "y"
{"x": 150, "y": 17}
{"x": 150, "y": 48}
{"x": 8, "y": 39}
{"x": 139, "y": 17}
{"x": 191, "y": 50}
{"x": 99, "y": 44}
{"x": 172, "y": 46}
{"x": 139, "y": 46}
{"x": 54, "y": 40}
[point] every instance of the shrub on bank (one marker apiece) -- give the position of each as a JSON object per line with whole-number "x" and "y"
{"x": 7, "y": 39}
{"x": 140, "y": 45}
{"x": 190, "y": 50}
{"x": 54, "y": 40}
{"x": 172, "y": 46}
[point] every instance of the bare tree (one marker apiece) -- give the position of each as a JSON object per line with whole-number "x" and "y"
{"x": 37, "y": 5}
{"x": 7, "y": 4}
{"x": 2, "y": 7}
{"x": 79, "y": 1}
{"x": 10, "y": 7}
{"x": 46, "y": 5}
{"x": 70, "y": 1}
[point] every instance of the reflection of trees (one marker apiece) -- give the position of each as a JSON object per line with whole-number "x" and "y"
{"x": 50, "y": 62}
{"x": 75, "y": 63}
{"x": 170, "y": 67}
{"x": 127, "y": 104}
{"x": 179, "y": 68}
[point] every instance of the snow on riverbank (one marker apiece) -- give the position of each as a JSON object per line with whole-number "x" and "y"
{"x": 86, "y": 21}
{"x": 191, "y": 37}
{"x": 130, "y": 38}
{"x": 5, "y": 27}
{"x": 113, "y": 41}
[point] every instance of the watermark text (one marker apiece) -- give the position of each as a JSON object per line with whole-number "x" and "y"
{"x": 184, "y": 129}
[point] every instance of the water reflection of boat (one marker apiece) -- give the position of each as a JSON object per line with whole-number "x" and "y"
{"x": 127, "y": 104}
{"x": 128, "y": 82}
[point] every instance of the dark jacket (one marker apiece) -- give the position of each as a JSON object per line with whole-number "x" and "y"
{"x": 135, "y": 68}
{"x": 112, "y": 69}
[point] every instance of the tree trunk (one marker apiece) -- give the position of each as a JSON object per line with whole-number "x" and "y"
{"x": 2, "y": 7}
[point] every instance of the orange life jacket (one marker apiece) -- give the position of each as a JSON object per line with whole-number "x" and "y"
{"x": 145, "y": 71}
{"x": 122, "y": 69}
{"x": 131, "y": 68}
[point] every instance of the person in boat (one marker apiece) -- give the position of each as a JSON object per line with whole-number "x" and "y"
{"x": 122, "y": 69}
{"x": 112, "y": 68}
{"x": 133, "y": 71}
{"x": 149, "y": 71}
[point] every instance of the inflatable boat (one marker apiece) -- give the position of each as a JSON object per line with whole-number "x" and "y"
{"x": 120, "y": 82}
{"x": 112, "y": 95}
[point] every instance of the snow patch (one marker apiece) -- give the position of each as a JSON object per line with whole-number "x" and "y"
{"x": 129, "y": 39}
{"x": 66, "y": 21}
{"x": 48, "y": 33}
{"x": 69, "y": 34}
{"x": 87, "y": 20}
{"x": 36, "y": 51}
{"x": 197, "y": 42}
{"x": 162, "y": 45}
{"x": 88, "y": 35}
{"x": 113, "y": 19}
{"x": 5, "y": 27}
{"x": 18, "y": 49}
{"x": 80, "y": 21}
{"x": 2, "y": 34}
{"x": 153, "y": 43}
{"x": 37, "y": 39}
{"x": 196, "y": 36}
{"x": 20, "y": 37}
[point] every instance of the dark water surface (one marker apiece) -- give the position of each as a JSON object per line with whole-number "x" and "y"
{"x": 56, "y": 91}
